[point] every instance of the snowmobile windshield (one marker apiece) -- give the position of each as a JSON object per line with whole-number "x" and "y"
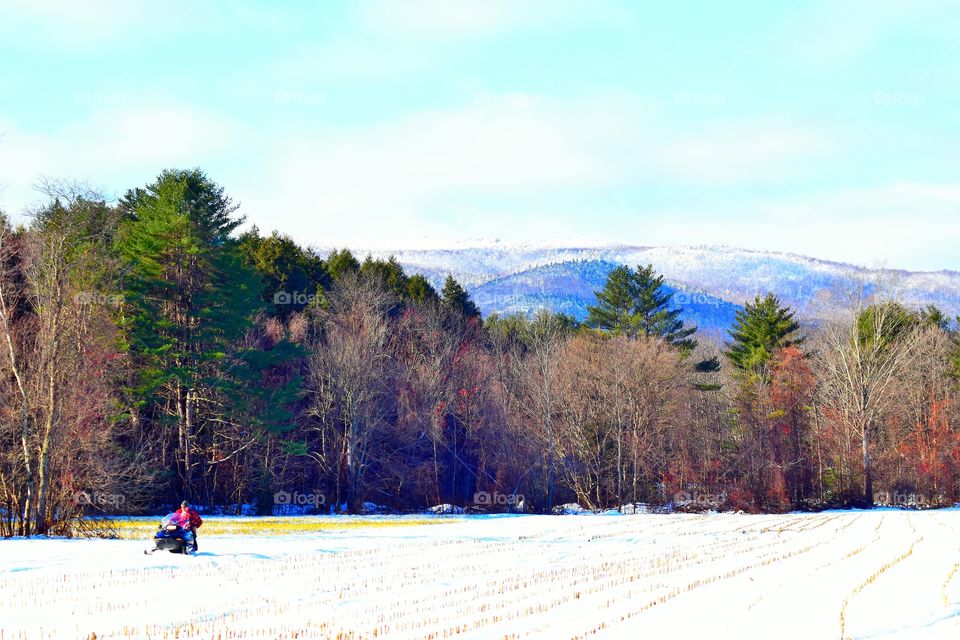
{"x": 168, "y": 519}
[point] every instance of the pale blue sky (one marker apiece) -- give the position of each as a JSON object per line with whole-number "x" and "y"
{"x": 823, "y": 128}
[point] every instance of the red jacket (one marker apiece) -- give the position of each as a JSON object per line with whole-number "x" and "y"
{"x": 189, "y": 516}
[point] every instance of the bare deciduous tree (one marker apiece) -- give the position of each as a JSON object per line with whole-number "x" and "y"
{"x": 860, "y": 359}
{"x": 351, "y": 366}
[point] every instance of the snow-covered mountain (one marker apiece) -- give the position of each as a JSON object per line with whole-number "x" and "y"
{"x": 710, "y": 282}
{"x": 568, "y": 287}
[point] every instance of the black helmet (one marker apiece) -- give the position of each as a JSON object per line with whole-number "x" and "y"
{"x": 185, "y": 504}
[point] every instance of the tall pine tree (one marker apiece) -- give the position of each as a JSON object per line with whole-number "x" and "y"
{"x": 420, "y": 290}
{"x": 342, "y": 262}
{"x": 636, "y": 302}
{"x": 188, "y": 300}
{"x": 454, "y": 297}
{"x": 759, "y": 330}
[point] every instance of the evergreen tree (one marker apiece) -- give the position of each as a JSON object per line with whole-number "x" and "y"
{"x": 932, "y": 316}
{"x": 505, "y": 330}
{"x": 454, "y": 297}
{"x": 636, "y": 302}
{"x": 614, "y": 311}
{"x": 387, "y": 272}
{"x": 188, "y": 300}
{"x": 420, "y": 290}
{"x": 759, "y": 330}
{"x": 292, "y": 276}
{"x": 341, "y": 262}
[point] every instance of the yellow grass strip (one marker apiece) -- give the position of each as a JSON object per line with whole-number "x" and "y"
{"x": 136, "y": 528}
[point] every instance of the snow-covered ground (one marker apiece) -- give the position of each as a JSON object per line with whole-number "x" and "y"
{"x": 879, "y": 574}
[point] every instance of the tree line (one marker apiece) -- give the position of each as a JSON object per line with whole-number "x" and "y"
{"x": 150, "y": 351}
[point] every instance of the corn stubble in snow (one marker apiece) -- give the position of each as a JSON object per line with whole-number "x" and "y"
{"x": 828, "y": 575}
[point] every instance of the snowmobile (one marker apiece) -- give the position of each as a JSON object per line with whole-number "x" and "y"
{"x": 172, "y": 537}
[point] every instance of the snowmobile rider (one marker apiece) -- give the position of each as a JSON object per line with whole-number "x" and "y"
{"x": 189, "y": 520}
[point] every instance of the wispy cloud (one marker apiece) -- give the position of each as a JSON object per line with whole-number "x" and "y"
{"x": 901, "y": 224}
{"x": 740, "y": 152}
{"x": 831, "y": 31}
{"x": 91, "y": 25}
{"x": 385, "y": 120}
{"x": 398, "y": 171}
{"x": 453, "y": 19}
{"x": 114, "y": 141}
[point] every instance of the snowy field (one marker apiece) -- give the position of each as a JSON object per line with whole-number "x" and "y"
{"x": 880, "y": 574}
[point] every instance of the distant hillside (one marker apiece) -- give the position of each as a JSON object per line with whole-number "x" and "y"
{"x": 569, "y": 288}
{"x": 711, "y": 282}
